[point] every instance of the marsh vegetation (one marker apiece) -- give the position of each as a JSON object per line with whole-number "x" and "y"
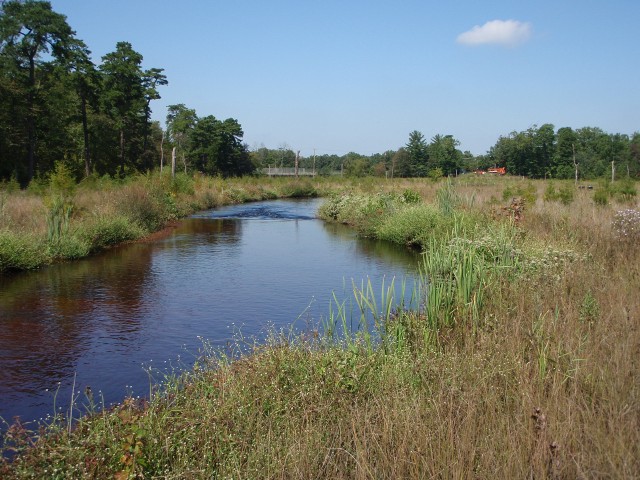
{"x": 517, "y": 359}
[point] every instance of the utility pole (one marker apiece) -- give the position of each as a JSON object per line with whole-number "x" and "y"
{"x": 173, "y": 162}
{"x": 613, "y": 171}
{"x": 574, "y": 162}
{"x": 162, "y": 152}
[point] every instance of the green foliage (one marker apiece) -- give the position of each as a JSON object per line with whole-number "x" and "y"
{"x": 565, "y": 194}
{"x": 417, "y": 155}
{"x": 9, "y": 186}
{"x": 105, "y": 232}
{"x": 410, "y": 196}
{"x": 550, "y": 193}
{"x": 38, "y": 186}
{"x": 58, "y": 217}
{"x": 62, "y": 181}
{"x": 448, "y": 199}
{"x": 20, "y": 252}
{"x": 444, "y": 156}
{"x": 300, "y": 189}
{"x": 69, "y": 247}
{"x": 183, "y": 184}
{"x": 435, "y": 174}
{"x": 624, "y": 190}
{"x": 527, "y": 192}
{"x": 414, "y": 224}
{"x": 144, "y": 207}
{"x": 589, "y": 309}
{"x": 601, "y": 197}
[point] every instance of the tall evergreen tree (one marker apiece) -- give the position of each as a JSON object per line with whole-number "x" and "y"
{"x": 418, "y": 155}
{"x": 29, "y": 29}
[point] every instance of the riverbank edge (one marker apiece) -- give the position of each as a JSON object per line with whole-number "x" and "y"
{"x": 144, "y": 208}
{"x": 476, "y": 397}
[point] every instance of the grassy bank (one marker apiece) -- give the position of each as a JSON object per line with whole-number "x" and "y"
{"x": 58, "y": 220}
{"x": 521, "y": 360}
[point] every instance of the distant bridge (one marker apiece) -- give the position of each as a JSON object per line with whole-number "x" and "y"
{"x": 288, "y": 172}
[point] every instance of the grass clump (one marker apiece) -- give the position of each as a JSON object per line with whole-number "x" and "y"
{"x": 565, "y": 194}
{"x": 527, "y": 192}
{"x": 108, "y": 231}
{"x": 20, "y": 252}
{"x": 601, "y": 197}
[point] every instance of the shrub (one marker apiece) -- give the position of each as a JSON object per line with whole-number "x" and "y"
{"x": 110, "y": 231}
{"x": 11, "y": 186}
{"x": 601, "y": 197}
{"x": 526, "y": 192}
{"x": 435, "y": 174}
{"x": 70, "y": 247}
{"x": 183, "y": 183}
{"x": 58, "y": 217}
{"x": 411, "y": 196}
{"x": 589, "y": 309}
{"x": 625, "y": 190}
{"x": 550, "y": 193}
{"x": 61, "y": 180}
{"x": 412, "y": 225}
{"x": 566, "y": 194}
{"x": 20, "y": 252}
{"x": 143, "y": 207}
{"x": 299, "y": 189}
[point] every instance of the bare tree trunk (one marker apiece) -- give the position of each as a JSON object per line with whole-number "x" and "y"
{"x": 297, "y": 162}
{"x": 173, "y": 162}
{"x": 122, "y": 152}
{"x": 85, "y": 131}
{"x": 31, "y": 122}
{"x": 613, "y": 171}
{"x": 574, "y": 162}
{"x": 162, "y": 152}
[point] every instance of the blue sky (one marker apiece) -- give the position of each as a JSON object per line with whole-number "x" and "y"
{"x": 342, "y": 76}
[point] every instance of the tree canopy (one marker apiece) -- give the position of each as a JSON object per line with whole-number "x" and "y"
{"x": 56, "y": 105}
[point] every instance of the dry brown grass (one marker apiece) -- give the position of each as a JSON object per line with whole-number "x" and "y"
{"x": 22, "y": 212}
{"x": 548, "y": 385}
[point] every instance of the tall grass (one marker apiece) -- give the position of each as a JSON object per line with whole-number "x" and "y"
{"x": 71, "y": 221}
{"x": 514, "y": 359}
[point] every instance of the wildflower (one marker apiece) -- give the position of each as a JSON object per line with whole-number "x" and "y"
{"x": 626, "y": 224}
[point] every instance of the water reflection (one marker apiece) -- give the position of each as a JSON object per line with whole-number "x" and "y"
{"x": 96, "y": 321}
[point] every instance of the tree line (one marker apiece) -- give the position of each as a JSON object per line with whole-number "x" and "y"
{"x": 538, "y": 152}
{"x": 56, "y": 105}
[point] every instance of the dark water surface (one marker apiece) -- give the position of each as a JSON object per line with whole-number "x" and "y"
{"x": 102, "y": 321}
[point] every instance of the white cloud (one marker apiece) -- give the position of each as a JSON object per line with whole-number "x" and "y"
{"x": 500, "y": 32}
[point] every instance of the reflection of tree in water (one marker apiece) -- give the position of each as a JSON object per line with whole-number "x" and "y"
{"x": 209, "y": 231}
{"x": 388, "y": 252}
{"x": 49, "y": 318}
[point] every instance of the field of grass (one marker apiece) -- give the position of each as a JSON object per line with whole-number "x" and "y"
{"x": 520, "y": 359}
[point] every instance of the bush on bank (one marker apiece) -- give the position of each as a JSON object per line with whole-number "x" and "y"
{"x": 517, "y": 362}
